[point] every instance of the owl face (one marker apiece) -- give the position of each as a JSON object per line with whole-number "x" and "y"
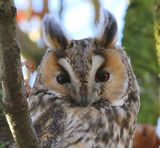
{"x": 85, "y": 71}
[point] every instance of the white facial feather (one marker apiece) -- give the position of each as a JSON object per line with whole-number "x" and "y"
{"x": 65, "y": 64}
{"x": 97, "y": 61}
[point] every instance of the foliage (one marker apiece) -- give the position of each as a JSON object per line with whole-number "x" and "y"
{"x": 4, "y": 145}
{"x": 140, "y": 45}
{"x": 157, "y": 27}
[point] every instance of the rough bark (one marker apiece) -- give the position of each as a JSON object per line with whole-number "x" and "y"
{"x": 14, "y": 100}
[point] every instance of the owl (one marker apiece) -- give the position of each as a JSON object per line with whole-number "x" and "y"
{"x": 85, "y": 94}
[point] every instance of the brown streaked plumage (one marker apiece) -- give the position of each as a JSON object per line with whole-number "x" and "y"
{"x": 85, "y": 94}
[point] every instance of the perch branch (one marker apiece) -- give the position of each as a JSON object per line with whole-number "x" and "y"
{"x": 14, "y": 100}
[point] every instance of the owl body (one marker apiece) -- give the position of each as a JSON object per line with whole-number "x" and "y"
{"x": 85, "y": 94}
{"x": 60, "y": 125}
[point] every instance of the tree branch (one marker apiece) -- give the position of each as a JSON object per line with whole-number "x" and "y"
{"x": 14, "y": 100}
{"x": 96, "y": 4}
{"x": 29, "y": 49}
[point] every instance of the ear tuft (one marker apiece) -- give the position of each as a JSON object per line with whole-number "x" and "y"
{"x": 109, "y": 29}
{"x": 52, "y": 33}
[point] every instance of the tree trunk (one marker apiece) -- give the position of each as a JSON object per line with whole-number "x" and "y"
{"x": 14, "y": 100}
{"x": 140, "y": 45}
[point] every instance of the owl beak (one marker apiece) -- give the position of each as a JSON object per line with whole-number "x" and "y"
{"x": 83, "y": 100}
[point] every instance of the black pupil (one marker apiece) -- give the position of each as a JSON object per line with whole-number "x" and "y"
{"x": 62, "y": 79}
{"x": 102, "y": 76}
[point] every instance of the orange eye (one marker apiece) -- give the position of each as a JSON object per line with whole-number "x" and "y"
{"x": 102, "y": 76}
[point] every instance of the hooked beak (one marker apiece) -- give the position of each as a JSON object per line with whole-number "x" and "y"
{"x": 83, "y": 99}
{"x": 84, "y": 96}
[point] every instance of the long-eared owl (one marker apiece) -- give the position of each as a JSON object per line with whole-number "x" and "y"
{"x": 85, "y": 94}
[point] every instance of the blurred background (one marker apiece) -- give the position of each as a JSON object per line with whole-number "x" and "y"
{"x": 80, "y": 19}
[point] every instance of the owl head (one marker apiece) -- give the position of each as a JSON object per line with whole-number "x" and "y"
{"x": 88, "y": 70}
